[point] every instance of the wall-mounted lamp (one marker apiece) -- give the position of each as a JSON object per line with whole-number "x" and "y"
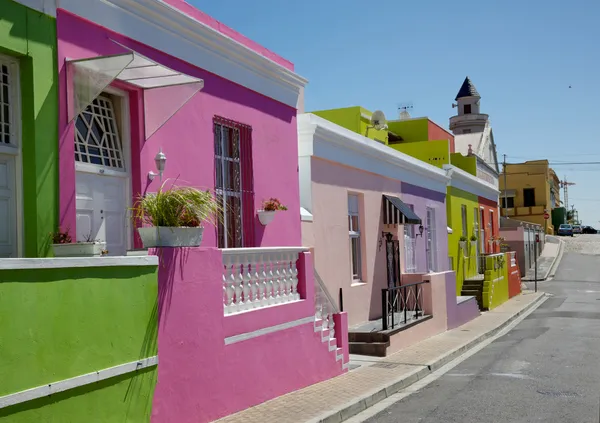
{"x": 160, "y": 160}
{"x": 421, "y": 229}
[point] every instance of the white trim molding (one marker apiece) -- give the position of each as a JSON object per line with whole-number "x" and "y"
{"x": 67, "y": 262}
{"x": 318, "y": 137}
{"x": 271, "y": 329}
{"x": 471, "y": 184}
{"x": 168, "y": 29}
{"x": 75, "y": 382}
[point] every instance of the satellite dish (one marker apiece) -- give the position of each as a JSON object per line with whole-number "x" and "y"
{"x": 378, "y": 120}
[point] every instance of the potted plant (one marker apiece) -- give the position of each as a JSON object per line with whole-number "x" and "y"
{"x": 63, "y": 246}
{"x": 473, "y": 240}
{"x": 462, "y": 241}
{"x": 498, "y": 240}
{"x": 269, "y": 208}
{"x": 174, "y": 216}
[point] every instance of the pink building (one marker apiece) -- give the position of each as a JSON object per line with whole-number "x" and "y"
{"x": 142, "y": 78}
{"x": 375, "y": 219}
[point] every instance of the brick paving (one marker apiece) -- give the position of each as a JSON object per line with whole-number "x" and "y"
{"x": 316, "y": 402}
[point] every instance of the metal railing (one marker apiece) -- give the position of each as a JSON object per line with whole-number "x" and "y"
{"x": 404, "y": 302}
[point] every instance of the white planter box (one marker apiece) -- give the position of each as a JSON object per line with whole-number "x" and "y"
{"x": 473, "y": 244}
{"x": 266, "y": 217}
{"x": 163, "y": 236}
{"x": 462, "y": 244}
{"x": 79, "y": 249}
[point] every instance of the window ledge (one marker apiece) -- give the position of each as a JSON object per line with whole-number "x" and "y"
{"x": 357, "y": 283}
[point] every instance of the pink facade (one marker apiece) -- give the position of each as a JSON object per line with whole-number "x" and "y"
{"x": 187, "y": 138}
{"x": 211, "y": 365}
{"x": 328, "y": 235}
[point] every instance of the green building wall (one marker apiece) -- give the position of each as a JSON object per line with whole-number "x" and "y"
{"x": 352, "y": 119}
{"x": 463, "y": 262}
{"x": 413, "y": 130}
{"x": 57, "y": 324}
{"x": 30, "y": 37}
{"x": 436, "y": 153}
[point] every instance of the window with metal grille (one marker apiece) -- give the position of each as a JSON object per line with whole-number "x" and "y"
{"x": 410, "y": 244}
{"x": 97, "y": 139}
{"x": 234, "y": 183}
{"x": 431, "y": 241}
{"x": 354, "y": 232}
{"x": 5, "y": 104}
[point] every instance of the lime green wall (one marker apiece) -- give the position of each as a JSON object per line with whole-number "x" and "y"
{"x": 466, "y": 163}
{"x": 31, "y": 37}
{"x": 495, "y": 284}
{"x": 62, "y": 323}
{"x": 411, "y": 130}
{"x": 436, "y": 153}
{"x": 464, "y": 267}
{"x": 351, "y": 118}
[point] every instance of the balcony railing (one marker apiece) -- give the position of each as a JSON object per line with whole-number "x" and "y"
{"x": 259, "y": 277}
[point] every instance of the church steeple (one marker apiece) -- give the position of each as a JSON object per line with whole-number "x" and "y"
{"x": 469, "y": 118}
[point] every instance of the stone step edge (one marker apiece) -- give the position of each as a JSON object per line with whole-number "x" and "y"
{"x": 357, "y": 406}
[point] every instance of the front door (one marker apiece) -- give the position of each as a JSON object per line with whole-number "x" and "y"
{"x": 102, "y": 179}
{"x": 8, "y": 211}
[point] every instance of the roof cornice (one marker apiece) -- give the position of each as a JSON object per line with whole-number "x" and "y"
{"x": 321, "y": 138}
{"x": 471, "y": 184}
{"x": 199, "y": 42}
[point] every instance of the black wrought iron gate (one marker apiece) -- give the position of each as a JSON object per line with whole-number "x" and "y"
{"x": 392, "y": 249}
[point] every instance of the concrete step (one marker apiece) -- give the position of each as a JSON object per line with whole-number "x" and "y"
{"x": 375, "y": 349}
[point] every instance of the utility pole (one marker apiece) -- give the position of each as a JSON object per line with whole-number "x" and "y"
{"x": 505, "y": 188}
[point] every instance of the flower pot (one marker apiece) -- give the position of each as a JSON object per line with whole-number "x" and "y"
{"x": 473, "y": 244}
{"x": 266, "y": 217}
{"x": 79, "y": 249}
{"x": 462, "y": 244}
{"x": 164, "y": 236}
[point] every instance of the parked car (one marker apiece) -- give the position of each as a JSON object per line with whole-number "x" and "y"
{"x": 577, "y": 229}
{"x": 565, "y": 230}
{"x": 588, "y": 230}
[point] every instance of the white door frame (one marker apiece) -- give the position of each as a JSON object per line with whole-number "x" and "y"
{"x": 126, "y": 144}
{"x": 16, "y": 149}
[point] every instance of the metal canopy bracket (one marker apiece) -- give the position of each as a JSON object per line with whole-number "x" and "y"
{"x": 91, "y": 76}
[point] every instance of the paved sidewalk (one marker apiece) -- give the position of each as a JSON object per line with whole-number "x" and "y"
{"x": 552, "y": 251}
{"x": 340, "y": 398}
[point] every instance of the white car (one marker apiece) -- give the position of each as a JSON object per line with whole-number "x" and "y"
{"x": 577, "y": 229}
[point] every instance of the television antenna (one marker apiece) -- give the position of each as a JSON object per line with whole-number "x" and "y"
{"x": 403, "y": 110}
{"x": 565, "y": 185}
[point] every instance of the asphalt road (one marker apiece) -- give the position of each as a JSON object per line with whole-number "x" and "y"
{"x": 546, "y": 369}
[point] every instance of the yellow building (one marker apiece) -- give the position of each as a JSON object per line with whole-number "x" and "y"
{"x": 532, "y": 189}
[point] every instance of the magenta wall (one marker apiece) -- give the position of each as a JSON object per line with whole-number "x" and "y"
{"x": 201, "y": 379}
{"x": 187, "y": 138}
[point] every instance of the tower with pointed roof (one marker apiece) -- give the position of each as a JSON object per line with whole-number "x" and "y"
{"x": 469, "y": 118}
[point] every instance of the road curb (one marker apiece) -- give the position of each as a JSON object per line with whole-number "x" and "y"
{"x": 357, "y": 406}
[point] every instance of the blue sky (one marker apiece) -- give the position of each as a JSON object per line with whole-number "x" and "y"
{"x": 521, "y": 56}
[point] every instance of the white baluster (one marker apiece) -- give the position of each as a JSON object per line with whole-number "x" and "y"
{"x": 232, "y": 284}
{"x": 264, "y": 301}
{"x": 294, "y": 277}
{"x": 331, "y": 326}
{"x": 228, "y": 285}
{"x": 249, "y": 288}
{"x": 277, "y": 289}
{"x": 271, "y": 287}
{"x": 239, "y": 284}
{"x": 257, "y": 282}
{"x": 285, "y": 281}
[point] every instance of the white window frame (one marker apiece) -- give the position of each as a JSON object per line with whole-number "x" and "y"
{"x": 355, "y": 236}
{"x": 225, "y": 193}
{"x": 125, "y": 135}
{"x": 410, "y": 255}
{"x": 432, "y": 265}
{"x": 15, "y": 147}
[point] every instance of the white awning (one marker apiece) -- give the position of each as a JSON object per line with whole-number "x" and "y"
{"x": 91, "y": 76}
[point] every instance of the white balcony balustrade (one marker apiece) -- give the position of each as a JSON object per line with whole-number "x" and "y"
{"x": 255, "y": 278}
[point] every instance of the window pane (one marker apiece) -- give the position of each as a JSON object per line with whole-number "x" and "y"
{"x": 355, "y": 247}
{"x": 355, "y": 225}
{"x": 353, "y": 204}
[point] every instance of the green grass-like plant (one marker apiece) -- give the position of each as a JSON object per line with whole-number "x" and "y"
{"x": 176, "y": 207}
